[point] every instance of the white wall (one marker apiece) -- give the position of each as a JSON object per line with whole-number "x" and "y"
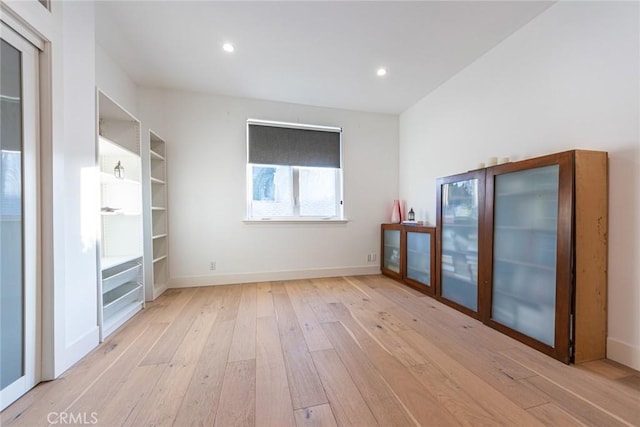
{"x": 115, "y": 82}
{"x": 80, "y": 183}
{"x": 206, "y": 152}
{"x": 569, "y": 79}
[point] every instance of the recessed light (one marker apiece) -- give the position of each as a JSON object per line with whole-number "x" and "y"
{"x": 381, "y": 72}
{"x": 228, "y": 47}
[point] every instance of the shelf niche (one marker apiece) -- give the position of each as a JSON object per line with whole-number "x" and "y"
{"x": 121, "y": 220}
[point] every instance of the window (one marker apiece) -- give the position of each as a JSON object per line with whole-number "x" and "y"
{"x": 294, "y": 172}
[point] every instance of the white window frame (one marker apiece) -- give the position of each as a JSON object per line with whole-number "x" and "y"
{"x": 295, "y": 170}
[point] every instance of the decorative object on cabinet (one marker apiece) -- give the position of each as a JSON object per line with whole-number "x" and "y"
{"x": 396, "y": 212}
{"x": 412, "y": 215}
{"x": 120, "y": 245}
{"x": 408, "y": 255}
{"x": 539, "y": 227}
{"x": 156, "y": 221}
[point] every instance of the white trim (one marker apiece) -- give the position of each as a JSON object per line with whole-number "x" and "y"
{"x": 80, "y": 348}
{"x": 624, "y": 353}
{"x": 25, "y": 30}
{"x": 293, "y": 125}
{"x": 267, "y": 276}
{"x": 157, "y": 291}
{"x": 12, "y": 392}
{"x": 301, "y": 220}
{"x": 48, "y": 273}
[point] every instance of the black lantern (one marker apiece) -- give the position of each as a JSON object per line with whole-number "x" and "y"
{"x": 118, "y": 171}
{"x": 412, "y": 215}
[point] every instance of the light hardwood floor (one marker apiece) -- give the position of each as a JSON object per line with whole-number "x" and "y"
{"x": 360, "y": 351}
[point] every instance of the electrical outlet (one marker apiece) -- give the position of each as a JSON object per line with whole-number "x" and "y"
{"x": 212, "y": 265}
{"x": 372, "y": 257}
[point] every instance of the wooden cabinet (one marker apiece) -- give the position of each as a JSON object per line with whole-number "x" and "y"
{"x": 157, "y": 221}
{"x": 539, "y": 227}
{"x": 391, "y": 250}
{"x": 408, "y": 254}
{"x": 461, "y": 207}
{"x": 121, "y": 283}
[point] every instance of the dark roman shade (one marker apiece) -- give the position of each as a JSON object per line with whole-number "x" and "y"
{"x": 274, "y": 145}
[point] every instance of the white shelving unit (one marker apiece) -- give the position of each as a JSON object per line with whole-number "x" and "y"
{"x": 121, "y": 284}
{"x": 156, "y": 199}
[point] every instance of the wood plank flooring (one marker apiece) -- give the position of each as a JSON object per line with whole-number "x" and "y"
{"x": 346, "y": 351}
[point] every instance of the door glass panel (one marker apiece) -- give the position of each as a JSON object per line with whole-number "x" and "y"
{"x": 419, "y": 257}
{"x": 524, "y": 257}
{"x": 460, "y": 242}
{"x": 391, "y": 255}
{"x": 11, "y": 218}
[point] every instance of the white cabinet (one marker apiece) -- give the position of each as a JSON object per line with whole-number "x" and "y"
{"x": 157, "y": 226}
{"x": 121, "y": 276}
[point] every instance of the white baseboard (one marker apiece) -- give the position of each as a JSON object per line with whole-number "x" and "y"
{"x": 77, "y": 350}
{"x": 267, "y": 276}
{"x": 624, "y": 353}
{"x": 160, "y": 290}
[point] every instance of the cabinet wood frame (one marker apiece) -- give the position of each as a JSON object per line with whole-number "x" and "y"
{"x": 564, "y": 282}
{"x": 386, "y": 271}
{"x": 402, "y": 276}
{"x": 441, "y": 182}
{"x": 581, "y": 257}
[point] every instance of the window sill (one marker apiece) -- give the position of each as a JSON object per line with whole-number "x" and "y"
{"x": 295, "y": 221}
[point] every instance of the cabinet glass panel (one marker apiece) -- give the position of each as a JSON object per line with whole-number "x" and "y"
{"x": 392, "y": 250}
{"x": 524, "y": 257}
{"x": 419, "y": 257}
{"x": 459, "y": 263}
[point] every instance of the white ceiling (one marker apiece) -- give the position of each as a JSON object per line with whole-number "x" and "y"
{"x": 314, "y": 53}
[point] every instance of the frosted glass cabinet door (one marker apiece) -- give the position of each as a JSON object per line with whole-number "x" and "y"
{"x": 459, "y": 218}
{"x": 391, "y": 250}
{"x": 419, "y": 257}
{"x": 524, "y": 251}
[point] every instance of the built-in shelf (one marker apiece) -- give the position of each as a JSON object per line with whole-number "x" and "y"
{"x": 157, "y": 244}
{"x": 155, "y": 155}
{"x": 120, "y": 213}
{"x": 106, "y": 177}
{"x": 110, "y": 262}
{"x": 121, "y": 284}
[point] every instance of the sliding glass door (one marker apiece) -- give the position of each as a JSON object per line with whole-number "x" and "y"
{"x": 19, "y": 220}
